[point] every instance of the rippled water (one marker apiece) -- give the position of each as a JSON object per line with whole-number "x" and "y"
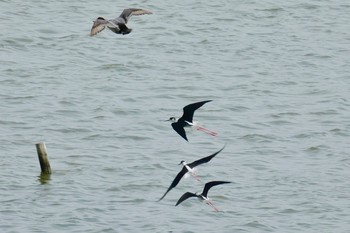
{"x": 278, "y": 75}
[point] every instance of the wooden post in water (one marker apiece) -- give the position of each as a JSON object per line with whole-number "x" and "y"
{"x": 43, "y": 159}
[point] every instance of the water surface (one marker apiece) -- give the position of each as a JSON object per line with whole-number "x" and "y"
{"x": 278, "y": 75}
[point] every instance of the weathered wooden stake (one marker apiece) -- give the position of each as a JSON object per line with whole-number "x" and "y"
{"x": 43, "y": 159}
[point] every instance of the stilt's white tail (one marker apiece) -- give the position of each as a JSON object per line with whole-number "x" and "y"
{"x": 207, "y": 131}
{"x": 193, "y": 174}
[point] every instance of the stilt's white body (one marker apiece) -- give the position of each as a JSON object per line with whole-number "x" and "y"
{"x": 191, "y": 171}
{"x": 193, "y": 123}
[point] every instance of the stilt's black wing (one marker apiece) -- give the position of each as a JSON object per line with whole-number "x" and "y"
{"x": 179, "y": 129}
{"x": 204, "y": 160}
{"x": 208, "y": 185}
{"x": 185, "y": 196}
{"x": 189, "y": 110}
{"x": 175, "y": 181}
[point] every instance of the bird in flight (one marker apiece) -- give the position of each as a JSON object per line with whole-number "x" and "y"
{"x": 117, "y": 25}
{"x": 189, "y": 169}
{"x": 204, "y": 195}
{"x": 186, "y": 120}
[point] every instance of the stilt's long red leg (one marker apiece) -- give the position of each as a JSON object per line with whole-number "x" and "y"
{"x": 212, "y": 205}
{"x": 212, "y": 133}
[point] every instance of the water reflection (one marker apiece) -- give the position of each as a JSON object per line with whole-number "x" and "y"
{"x": 44, "y": 178}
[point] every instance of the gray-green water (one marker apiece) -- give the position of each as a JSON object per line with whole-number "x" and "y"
{"x": 278, "y": 74}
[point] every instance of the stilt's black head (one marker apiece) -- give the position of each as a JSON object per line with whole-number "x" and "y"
{"x": 182, "y": 162}
{"x": 172, "y": 119}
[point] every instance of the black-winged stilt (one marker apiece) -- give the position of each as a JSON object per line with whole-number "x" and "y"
{"x": 189, "y": 168}
{"x": 204, "y": 195}
{"x": 187, "y": 120}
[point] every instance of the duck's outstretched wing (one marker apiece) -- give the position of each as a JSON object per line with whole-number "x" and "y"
{"x": 98, "y": 26}
{"x": 127, "y": 13}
